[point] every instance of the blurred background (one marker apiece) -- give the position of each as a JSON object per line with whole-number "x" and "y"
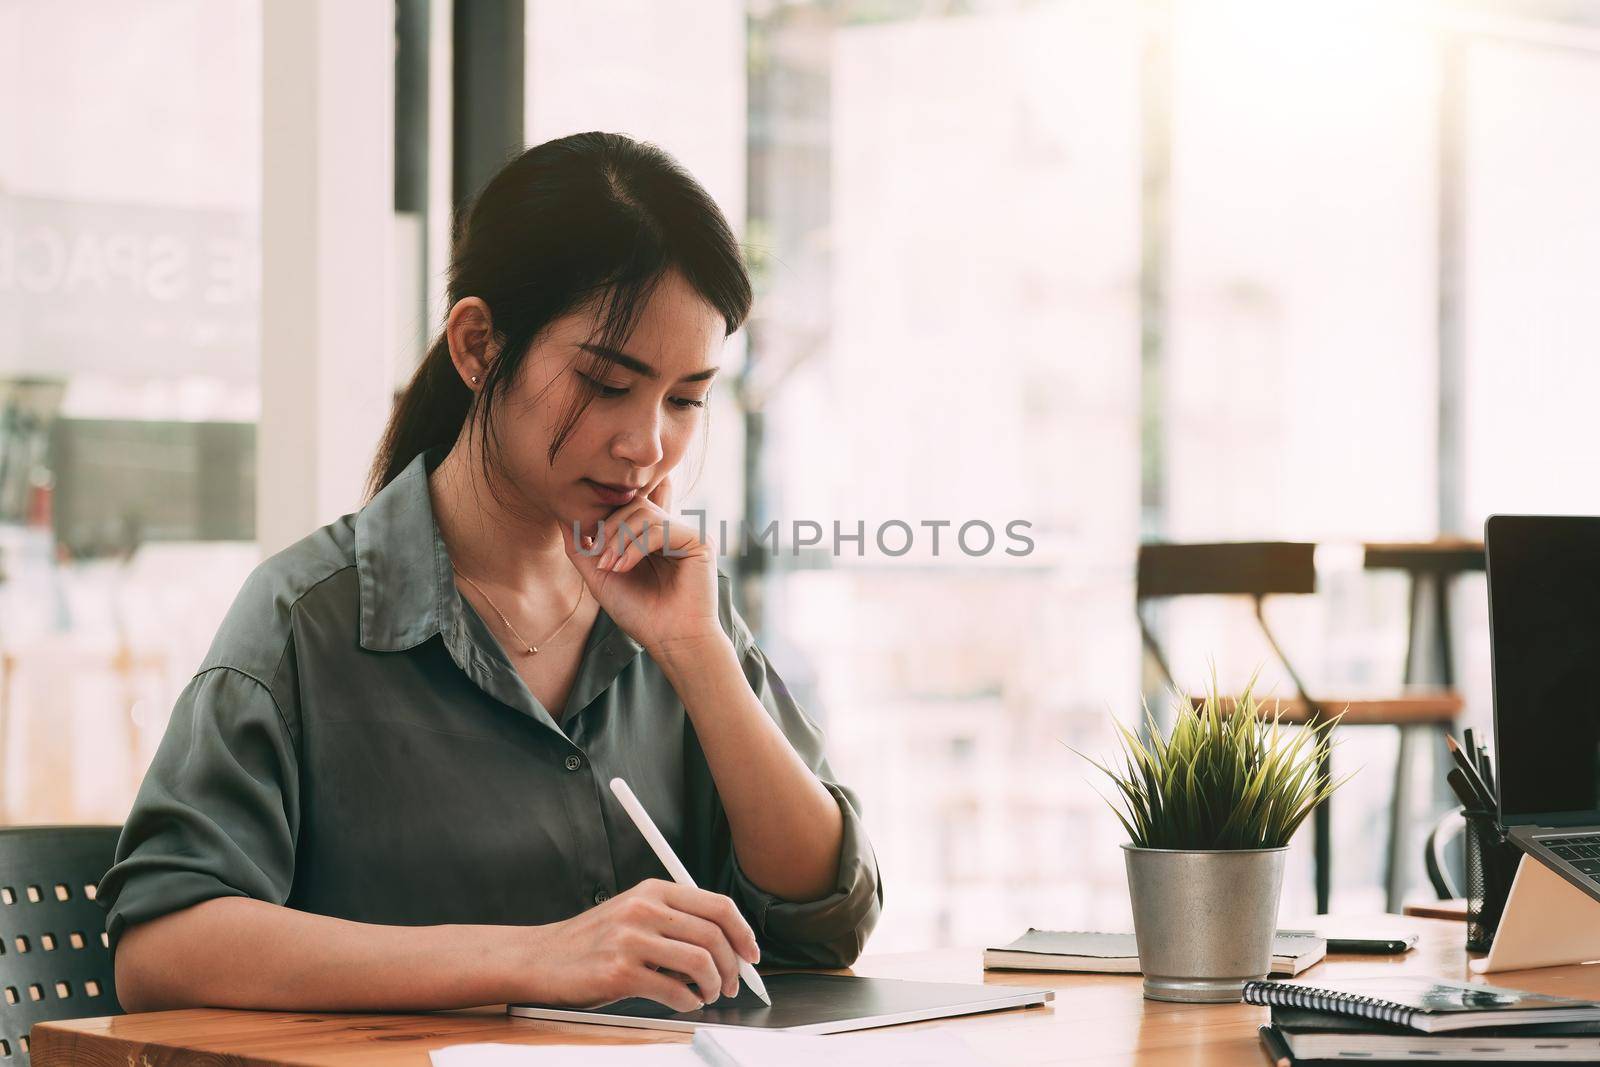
{"x": 1172, "y": 270}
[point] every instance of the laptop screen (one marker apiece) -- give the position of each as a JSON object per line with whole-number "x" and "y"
{"x": 1544, "y": 618}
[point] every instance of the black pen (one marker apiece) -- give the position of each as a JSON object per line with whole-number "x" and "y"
{"x": 1277, "y": 1051}
{"x": 1371, "y": 946}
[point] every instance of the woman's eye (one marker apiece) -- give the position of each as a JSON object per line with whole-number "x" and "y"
{"x": 602, "y": 389}
{"x": 608, "y": 392}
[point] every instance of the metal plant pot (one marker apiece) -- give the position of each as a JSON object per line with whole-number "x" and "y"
{"x": 1204, "y": 920}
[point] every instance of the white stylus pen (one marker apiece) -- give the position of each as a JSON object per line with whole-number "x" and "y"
{"x": 675, "y": 867}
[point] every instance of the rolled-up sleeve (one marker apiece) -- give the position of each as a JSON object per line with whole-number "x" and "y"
{"x": 217, "y": 814}
{"x": 830, "y": 931}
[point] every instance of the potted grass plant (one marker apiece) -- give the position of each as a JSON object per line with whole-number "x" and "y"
{"x": 1209, "y": 810}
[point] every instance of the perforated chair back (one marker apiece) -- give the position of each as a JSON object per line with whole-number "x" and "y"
{"x": 54, "y": 959}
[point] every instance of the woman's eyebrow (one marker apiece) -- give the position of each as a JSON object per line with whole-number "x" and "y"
{"x": 639, "y": 366}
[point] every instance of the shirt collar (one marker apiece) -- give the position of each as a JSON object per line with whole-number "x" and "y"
{"x": 407, "y": 591}
{"x": 408, "y": 594}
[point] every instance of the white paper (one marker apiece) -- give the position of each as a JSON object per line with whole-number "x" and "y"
{"x": 916, "y": 1048}
{"x": 503, "y": 1055}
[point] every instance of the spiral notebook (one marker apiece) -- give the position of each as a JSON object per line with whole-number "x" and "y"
{"x": 1431, "y": 1005}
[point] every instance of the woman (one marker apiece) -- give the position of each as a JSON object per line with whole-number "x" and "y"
{"x": 385, "y": 789}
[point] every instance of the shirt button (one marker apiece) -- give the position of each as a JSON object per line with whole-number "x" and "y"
{"x": 574, "y": 762}
{"x": 601, "y": 896}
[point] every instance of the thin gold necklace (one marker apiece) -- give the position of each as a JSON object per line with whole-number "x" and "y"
{"x": 527, "y": 648}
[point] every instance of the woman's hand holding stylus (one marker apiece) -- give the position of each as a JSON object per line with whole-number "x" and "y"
{"x": 653, "y": 941}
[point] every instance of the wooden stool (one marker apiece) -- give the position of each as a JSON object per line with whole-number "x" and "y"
{"x": 1258, "y": 570}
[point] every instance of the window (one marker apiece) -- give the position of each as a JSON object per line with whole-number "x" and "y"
{"x": 129, "y": 315}
{"x": 949, "y": 289}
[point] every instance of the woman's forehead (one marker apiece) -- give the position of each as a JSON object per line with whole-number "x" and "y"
{"x": 676, "y": 333}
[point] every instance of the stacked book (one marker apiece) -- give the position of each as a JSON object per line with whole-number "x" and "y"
{"x": 1416, "y": 1020}
{"x": 1077, "y": 950}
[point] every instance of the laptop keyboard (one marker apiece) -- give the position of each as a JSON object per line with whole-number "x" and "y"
{"x": 1582, "y": 852}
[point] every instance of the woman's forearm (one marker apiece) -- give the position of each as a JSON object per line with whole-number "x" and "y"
{"x": 235, "y": 952}
{"x": 786, "y": 826}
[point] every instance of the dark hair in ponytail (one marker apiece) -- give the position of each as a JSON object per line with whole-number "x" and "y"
{"x": 594, "y": 219}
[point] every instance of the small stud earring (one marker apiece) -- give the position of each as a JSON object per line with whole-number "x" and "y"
{"x": 474, "y": 379}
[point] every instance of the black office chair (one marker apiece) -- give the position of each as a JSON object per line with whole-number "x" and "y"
{"x": 55, "y": 961}
{"x": 1443, "y": 874}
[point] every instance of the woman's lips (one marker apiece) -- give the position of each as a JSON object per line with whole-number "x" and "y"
{"x": 610, "y": 494}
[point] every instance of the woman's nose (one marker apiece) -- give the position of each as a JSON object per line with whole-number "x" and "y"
{"x": 639, "y": 445}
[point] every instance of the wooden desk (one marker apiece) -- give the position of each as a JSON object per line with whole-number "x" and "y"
{"x": 1095, "y": 1019}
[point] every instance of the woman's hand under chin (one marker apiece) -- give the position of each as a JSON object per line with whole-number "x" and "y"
{"x": 659, "y": 583}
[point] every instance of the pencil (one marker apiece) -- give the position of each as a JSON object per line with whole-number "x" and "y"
{"x": 1276, "y": 1049}
{"x": 675, "y": 867}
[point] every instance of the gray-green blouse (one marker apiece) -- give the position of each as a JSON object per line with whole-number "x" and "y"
{"x": 357, "y": 744}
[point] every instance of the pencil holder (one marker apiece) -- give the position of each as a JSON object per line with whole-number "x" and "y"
{"x": 1491, "y": 864}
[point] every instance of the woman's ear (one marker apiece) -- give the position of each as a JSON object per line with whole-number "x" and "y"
{"x": 470, "y": 332}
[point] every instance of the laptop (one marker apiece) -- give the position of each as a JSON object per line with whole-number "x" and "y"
{"x": 1544, "y": 622}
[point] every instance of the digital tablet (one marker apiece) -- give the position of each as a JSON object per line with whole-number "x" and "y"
{"x": 808, "y": 1004}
